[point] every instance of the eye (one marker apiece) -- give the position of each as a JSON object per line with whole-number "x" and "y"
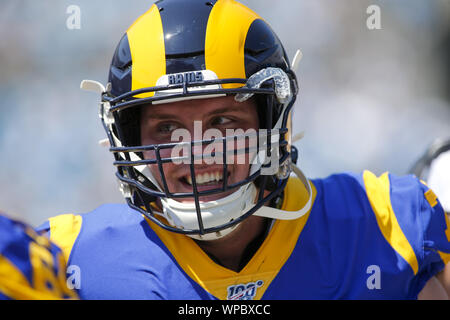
{"x": 165, "y": 128}
{"x": 220, "y": 121}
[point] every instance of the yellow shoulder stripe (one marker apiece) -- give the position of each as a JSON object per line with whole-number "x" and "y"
{"x": 64, "y": 230}
{"x": 431, "y": 197}
{"x": 447, "y": 224}
{"x": 378, "y": 192}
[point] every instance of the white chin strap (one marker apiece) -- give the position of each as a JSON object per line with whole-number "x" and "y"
{"x": 214, "y": 213}
{"x": 221, "y": 211}
{"x": 279, "y": 214}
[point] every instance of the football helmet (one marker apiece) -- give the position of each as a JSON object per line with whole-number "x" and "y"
{"x": 195, "y": 49}
{"x": 433, "y": 167}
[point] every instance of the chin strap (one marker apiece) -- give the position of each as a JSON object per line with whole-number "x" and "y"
{"x": 269, "y": 212}
{"x": 273, "y": 213}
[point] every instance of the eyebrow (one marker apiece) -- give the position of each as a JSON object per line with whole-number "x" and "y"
{"x": 166, "y": 116}
{"x": 226, "y": 110}
{"x": 160, "y": 116}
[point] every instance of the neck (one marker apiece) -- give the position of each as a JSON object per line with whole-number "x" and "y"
{"x": 236, "y": 249}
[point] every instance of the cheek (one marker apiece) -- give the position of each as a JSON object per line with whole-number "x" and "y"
{"x": 240, "y": 172}
{"x": 254, "y": 119}
{"x": 168, "y": 167}
{"x": 154, "y": 169}
{"x": 145, "y": 140}
{"x": 150, "y": 155}
{"x": 164, "y": 154}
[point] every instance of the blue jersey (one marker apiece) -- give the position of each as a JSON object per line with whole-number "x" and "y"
{"x": 365, "y": 237}
{"x": 31, "y": 267}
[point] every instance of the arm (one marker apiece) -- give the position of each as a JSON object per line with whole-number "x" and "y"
{"x": 31, "y": 267}
{"x": 434, "y": 289}
{"x": 444, "y": 278}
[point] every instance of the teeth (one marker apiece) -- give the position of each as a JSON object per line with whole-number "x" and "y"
{"x": 202, "y": 178}
{"x": 205, "y": 177}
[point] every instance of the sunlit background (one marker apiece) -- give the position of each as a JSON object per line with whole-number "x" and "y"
{"x": 369, "y": 99}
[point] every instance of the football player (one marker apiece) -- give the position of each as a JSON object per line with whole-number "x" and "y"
{"x": 219, "y": 214}
{"x": 31, "y": 267}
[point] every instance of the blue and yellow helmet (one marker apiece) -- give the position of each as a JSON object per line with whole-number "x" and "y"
{"x": 190, "y": 49}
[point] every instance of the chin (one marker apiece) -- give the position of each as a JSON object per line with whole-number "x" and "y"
{"x": 208, "y": 198}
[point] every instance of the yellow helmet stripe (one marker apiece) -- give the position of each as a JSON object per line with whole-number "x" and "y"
{"x": 146, "y": 40}
{"x": 226, "y": 32}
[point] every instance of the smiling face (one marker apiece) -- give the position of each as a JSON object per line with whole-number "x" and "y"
{"x": 158, "y": 123}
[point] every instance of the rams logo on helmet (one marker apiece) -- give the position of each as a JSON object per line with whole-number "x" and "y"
{"x": 187, "y": 77}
